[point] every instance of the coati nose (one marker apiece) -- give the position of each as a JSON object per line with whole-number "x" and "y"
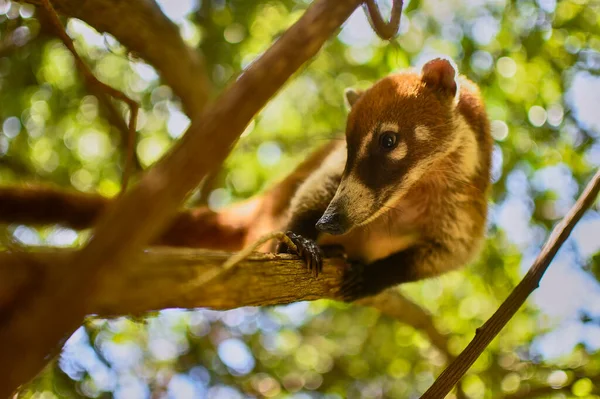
{"x": 332, "y": 223}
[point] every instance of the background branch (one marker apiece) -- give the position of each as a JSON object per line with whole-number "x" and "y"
{"x": 142, "y": 27}
{"x": 394, "y": 304}
{"x": 517, "y": 297}
{"x": 385, "y": 30}
{"x": 92, "y": 81}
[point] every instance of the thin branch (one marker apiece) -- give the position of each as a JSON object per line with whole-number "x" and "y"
{"x": 93, "y": 81}
{"x": 385, "y": 30}
{"x": 115, "y": 118}
{"x": 144, "y": 30}
{"x": 485, "y": 334}
{"x": 143, "y": 212}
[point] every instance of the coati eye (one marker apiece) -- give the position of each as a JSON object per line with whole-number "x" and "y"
{"x": 388, "y": 140}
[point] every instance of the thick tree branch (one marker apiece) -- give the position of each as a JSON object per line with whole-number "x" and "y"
{"x": 484, "y": 335}
{"x": 146, "y": 209}
{"x": 142, "y": 213}
{"x": 173, "y": 278}
{"x": 165, "y": 277}
{"x": 146, "y": 31}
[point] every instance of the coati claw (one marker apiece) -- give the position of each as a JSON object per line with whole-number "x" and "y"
{"x": 307, "y": 250}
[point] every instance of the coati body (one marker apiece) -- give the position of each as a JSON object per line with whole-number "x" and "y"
{"x": 405, "y": 194}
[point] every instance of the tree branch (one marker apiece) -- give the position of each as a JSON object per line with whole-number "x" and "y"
{"x": 385, "y": 30}
{"x": 141, "y": 26}
{"x": 176, "y": 278}
{"x": 173, "y": 277}
{"x": 92, "y": 81}
{"x": 164, "y": 277}
{"x": 485, "y": 334}
{"x": 142, "y": 213}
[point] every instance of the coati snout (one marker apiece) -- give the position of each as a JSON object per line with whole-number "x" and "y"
{"x": 354, "y": 204}
{"x": 333, "y": 222}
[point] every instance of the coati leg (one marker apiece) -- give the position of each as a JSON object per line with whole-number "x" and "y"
{"x": 303, "y": 233}
{"x": 424, "y": 260}
{"x": 309, "y": 204}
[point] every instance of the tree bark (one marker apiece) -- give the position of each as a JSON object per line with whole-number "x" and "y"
{"x": 164, "y": 277}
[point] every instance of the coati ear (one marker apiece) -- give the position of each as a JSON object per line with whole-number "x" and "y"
{"x": 440, "y": 75}
{"x": 352, "y": 95}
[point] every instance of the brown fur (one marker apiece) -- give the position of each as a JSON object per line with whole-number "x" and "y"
{"x": 230, "y": 229}
{"x": 417, "y": 210}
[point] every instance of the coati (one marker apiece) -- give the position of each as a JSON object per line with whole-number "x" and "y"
{"x": 404, "y": 195}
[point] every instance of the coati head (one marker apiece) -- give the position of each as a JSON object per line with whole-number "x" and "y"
{"x": 395, "y": 131}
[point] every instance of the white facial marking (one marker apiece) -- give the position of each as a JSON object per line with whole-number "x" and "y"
{"x": 389, "y": 127}
{"x": 364, "y": 145}
{"x": 422, "y": 133}
{"x": 399, "y": 153}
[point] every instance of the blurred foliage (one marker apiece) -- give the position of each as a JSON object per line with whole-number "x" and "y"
{"x": 538, "y": 64}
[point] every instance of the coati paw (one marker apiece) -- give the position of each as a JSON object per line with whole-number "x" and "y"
{"x": 352, "y": 287}
{"x": 307, "y": 249}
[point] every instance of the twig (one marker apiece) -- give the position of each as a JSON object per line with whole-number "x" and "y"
{"x": 385, "y": 30}
{"x": 485, "y": 334}
{"x": 243, "y": 254}
{"x": 141, "y": 27}
{"x": 236, "y": 258}
{"x": 92, "y": 80}
{"x": 115, "y": 118}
